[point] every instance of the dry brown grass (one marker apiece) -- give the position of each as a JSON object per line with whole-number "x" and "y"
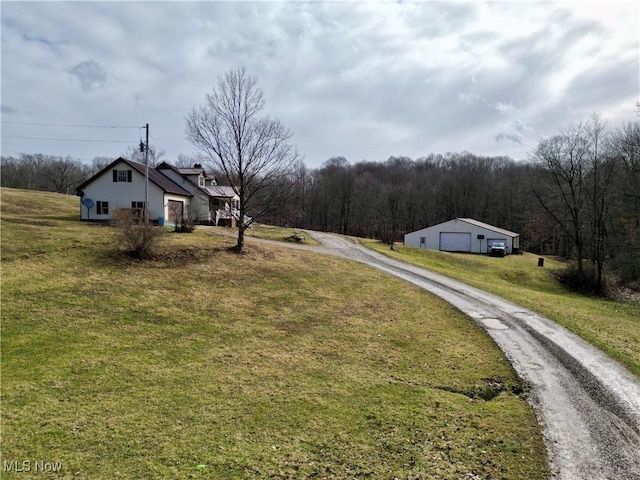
{"x": 274, "y": 364}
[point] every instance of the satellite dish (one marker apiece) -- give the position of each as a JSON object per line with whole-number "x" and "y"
{"x": 87, "y": 202}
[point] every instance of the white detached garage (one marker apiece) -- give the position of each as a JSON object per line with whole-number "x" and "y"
{"x": 462, "y": 235}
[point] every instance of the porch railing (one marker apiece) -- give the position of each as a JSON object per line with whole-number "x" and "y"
{"x": 224, "y": 214}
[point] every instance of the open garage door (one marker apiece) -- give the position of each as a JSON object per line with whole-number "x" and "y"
{"x": 491, "y": 241}
{"x": 176, "y": 209}
{"x": 455, "y": 242}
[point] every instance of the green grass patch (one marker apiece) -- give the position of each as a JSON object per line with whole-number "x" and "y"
{"x": 206, "y": 364}
{"x": 612, "y": 326}
{"x": 280, "y": 234}
{"x": 268, "y": 232}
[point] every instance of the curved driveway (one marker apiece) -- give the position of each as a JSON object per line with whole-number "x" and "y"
{"x": 588, "y": 404}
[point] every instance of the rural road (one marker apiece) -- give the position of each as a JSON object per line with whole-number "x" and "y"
{"x": 588, "y": 405}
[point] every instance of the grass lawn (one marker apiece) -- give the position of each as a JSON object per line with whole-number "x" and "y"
{"x": 614, "y": 327}
{"x": 205, "y": 364}
{"x": 269, "y": 232}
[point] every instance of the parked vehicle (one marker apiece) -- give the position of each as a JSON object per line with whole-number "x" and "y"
{"x": 498, "y": 249}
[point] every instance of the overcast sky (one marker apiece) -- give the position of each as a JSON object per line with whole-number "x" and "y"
{"x": 364, "y": 80}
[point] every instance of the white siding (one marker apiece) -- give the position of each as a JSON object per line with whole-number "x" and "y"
{"x": 200, "y": 200}
{"x": 121, "y": 194}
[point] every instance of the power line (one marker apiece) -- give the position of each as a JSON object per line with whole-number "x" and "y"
{"x": 158, "y": 147}
{"x": 66, "y": 125}
{"x": 67, "y": 139}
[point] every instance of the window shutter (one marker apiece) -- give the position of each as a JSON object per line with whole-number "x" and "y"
{"x": 115, "y": 175}
{"x": 129, "y": 176}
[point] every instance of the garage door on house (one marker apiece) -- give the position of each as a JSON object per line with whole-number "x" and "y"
{"x": 455, "y": 242}
{"x": 175, "y": 212}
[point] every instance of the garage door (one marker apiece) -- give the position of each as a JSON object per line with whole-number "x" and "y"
{"x": 490, "y": 242}
{"x": 175, "y": 212}
{"x": 455, "y": 242}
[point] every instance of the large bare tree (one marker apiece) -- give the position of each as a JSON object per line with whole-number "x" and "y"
{"x": 563, "y": 158}
{"x": 254, "y": 153}
{"x": 581, "y": 172}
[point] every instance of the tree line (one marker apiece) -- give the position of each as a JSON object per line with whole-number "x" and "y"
{"x": 44, "y": 172}
{"x": 53, "y": 173}
{"x": 577, "y": 195}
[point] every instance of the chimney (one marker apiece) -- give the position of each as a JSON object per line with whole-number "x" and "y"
{"x": 197, "y": 165}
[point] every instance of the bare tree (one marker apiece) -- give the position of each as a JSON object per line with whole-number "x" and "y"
{"x": 155, "y": 156}
{"x": 581, "y": 170}
{"x": 252, "y": 152}
{"x": 600, "y": 173}
{"x": 624, "y": 145}
{"x": 98, "y": 163}
{"x": 43, "y": 172}
{"x": 563, "y": 158}
{"x": 185, "y": 161}
{"x": 64, "y": 174}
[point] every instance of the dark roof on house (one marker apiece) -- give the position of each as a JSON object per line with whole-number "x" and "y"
{"x": 167, "y": 166}
{"x": 162, "y": 181}
{"x": 185, "y": 171}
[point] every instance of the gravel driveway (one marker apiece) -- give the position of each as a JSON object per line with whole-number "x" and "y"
{"x": 588, "y": 405}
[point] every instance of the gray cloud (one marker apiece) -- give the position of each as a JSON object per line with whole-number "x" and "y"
{"x": 508, "y": 137}
{"x": 609, "y": 83}
{"x": 7, "y": 109}
{"x": 90, "y": 75}
{"x": 362, "y": 79}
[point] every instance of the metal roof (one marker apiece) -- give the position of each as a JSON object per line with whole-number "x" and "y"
{"x": 191, "y": 171}
{"x": 185, "y": 171}
{"x": 219, "y": 191}
{"x": 488, "y": 227}
{"x": 162, "y": 181}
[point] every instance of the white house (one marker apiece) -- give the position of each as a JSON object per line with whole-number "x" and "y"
{"x": 213, "y": 203}
{"x": 172, "y": 191}
{"x": 462, "y": 235}
{"x": 121, "y": 184}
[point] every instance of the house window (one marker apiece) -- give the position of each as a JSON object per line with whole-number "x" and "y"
{"x": 201, "y": 181}
{"x": 423, "y": 240}
{"x": 102, "y": 208}
{"x": 137, "y": 208}
{"x": 122, "y": 176}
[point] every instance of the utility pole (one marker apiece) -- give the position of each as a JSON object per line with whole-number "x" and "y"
{"x": 146, "y": 176}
